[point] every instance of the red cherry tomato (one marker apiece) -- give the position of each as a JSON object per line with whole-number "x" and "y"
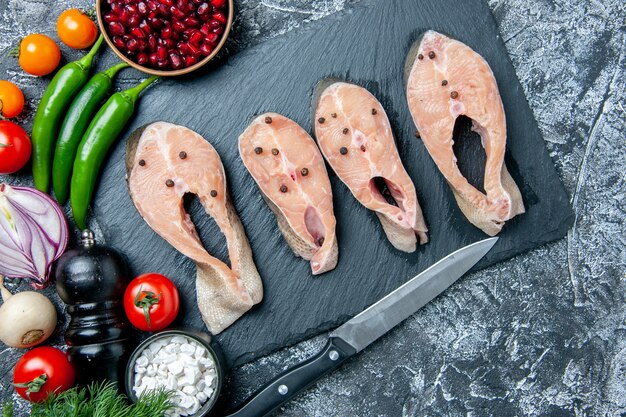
{"x": 15, "y": 147}
{"x": 42, "y": 371}
{"x": 151, "y": 302}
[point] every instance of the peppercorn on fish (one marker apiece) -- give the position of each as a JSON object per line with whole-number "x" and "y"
{"x": 289, "y": 169}
{"x": 164, "y": 162}
{"x": 445, "y": 79}
{"x": 355, "y": 137}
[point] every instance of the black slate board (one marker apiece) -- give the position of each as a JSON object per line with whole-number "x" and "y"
{"x": 366, "y": 45}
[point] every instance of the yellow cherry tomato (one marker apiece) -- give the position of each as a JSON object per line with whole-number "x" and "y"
{"x": 11, "y": 99}
{"x": 39, "y": 55}
{"x": 76, "y": 29}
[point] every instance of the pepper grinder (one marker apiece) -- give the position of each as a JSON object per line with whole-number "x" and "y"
{"x": 91, "y": 280}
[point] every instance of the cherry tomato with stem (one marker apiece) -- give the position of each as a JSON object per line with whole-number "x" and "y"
{"x": 76, "y": 29}
{"x": 39, "y": 55}
{"x": 151, "y": 302}
{"x": 15, "y": 147}
{"x": 42, "y": 371}
{"x": 11, "y": 99}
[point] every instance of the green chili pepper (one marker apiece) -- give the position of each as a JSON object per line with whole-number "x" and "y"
{"x": 94, "y": 146}
{"x": 82, "y": 109}
{"x": 55, "y": 100}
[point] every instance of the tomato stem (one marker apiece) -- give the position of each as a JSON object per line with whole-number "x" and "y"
{"x": 15, "y": 52}
{"x": 148, "y": 300}
{"x": 34, "y": 385}
{"x": 91, "y": 13}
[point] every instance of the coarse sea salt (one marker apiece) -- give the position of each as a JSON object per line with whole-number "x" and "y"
{"x": 179, "y": 364}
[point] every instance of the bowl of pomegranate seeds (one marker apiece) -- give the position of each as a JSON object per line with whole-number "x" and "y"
{"x": 165, "y": 37}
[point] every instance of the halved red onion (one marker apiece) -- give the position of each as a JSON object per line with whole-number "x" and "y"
{"x": 33, "y": 233}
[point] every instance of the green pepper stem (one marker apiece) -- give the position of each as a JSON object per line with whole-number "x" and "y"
{"x": 133, "y": 93}
{"x": 86, "y": 61}
{"x": 115, "y": 69}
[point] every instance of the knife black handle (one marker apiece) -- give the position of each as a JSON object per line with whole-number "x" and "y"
{"x": 295, "y": 380}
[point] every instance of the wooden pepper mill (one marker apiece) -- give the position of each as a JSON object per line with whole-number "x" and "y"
{"x": 91, "y": 280}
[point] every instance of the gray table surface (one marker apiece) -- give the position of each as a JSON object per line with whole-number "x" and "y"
{"x": 541, "y": 334}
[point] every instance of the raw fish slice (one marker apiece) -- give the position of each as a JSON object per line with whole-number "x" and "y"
{"x": 289, "y": 169}
{"x": 166, "y": 161}
{"x": 446, "y": 79}
{"x": 355, "y": 137}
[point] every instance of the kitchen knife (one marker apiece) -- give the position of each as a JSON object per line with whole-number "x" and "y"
{"x": 363, "y": 329}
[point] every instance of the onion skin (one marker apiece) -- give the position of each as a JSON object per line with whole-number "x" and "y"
{"x": 33, "y": 234}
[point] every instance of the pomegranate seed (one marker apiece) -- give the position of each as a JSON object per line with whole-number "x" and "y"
{"x": 176, "y": 61}
{"x": 145, "y": 26}
{"x": 155, "y": 23}
{"x": 163, "y": 10}
{"x": 212, "y": 38}
{"x": 167, "y": 2}
{"x": 206, "y": 49}
{"x": 116, "y": 28}
{"x": 190, "y": 60}
{"x": 218, "y": 30}
{"x": 218, "y": 3}
{"x": 214, "y": 24}
{"x": 178, "y": 26}
{"x": 205, "y": 29}
{"x": 203, "y": 9}
{"x": 110, "y": 17}
{"x": 196, "y": 38}
{"x": 116, "y": 8}
{"x": 142, "y": 59}
{"x": 169, "y": 43}
{"x": 197, "y": 1}
{"x": 143, "y": 44}
{"x": 138, "y": 33}
{"x": 182, "y": 4}
{"x": 119, "y": 42}
{"x": 177, "y": 13}
{"x": 166, "y": 33}
{"x": 191, "y": 22}
{"x": 153, "y": 59}
{"x": 152, "y": 5}
{"x": 142, "y": 8}
{"x": 161, "y": 53}
{"x": 163, "y": 64}
{"x": 124, "y": 16}
{"x": 220, "y": 17}
{"x": 132, "y": 45}
{"x": 193, "y": 49}
{"x": 131, "y": 9}
{"x": 134, "y": 20}
{"x": 183, "y": 48}
{"x": 188, "y": 32}
{"x": 152, "y": 42}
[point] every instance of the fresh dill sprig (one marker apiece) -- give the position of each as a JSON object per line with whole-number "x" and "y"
{"x": 102, "y": 400}
{"x": 7, "y": 408}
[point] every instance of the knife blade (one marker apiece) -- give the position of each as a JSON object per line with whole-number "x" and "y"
{"x": 365, "y": 328}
